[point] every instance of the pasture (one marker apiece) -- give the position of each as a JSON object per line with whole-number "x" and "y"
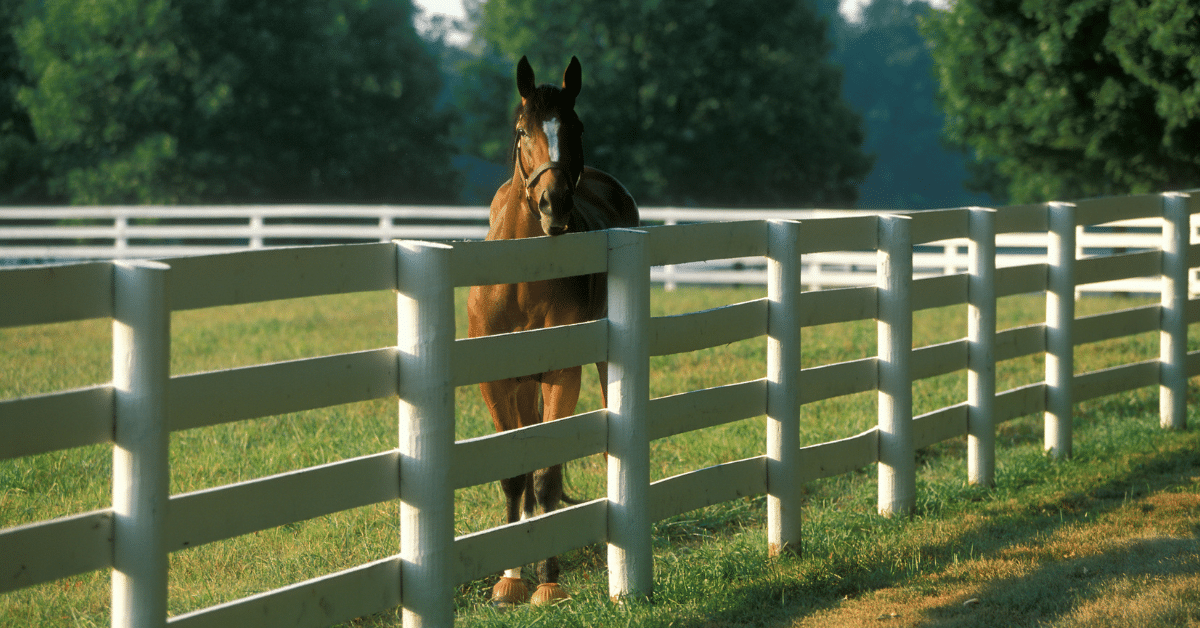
{"x": 1045, "y": 518}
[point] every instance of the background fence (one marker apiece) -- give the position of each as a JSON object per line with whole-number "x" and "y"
{"x": 39, "y": 234}
{"x": 143, "y": 404}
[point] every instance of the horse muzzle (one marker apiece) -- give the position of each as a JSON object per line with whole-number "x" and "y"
{"x": 554, "y": 211}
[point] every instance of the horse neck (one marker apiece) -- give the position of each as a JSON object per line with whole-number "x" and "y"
{"x": 512, "y": 215}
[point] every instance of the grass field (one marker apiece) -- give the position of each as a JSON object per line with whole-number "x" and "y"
{"x": 1109, "y": 538}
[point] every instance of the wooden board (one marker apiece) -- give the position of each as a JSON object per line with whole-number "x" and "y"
{"x": 1022, "y": 279}
{"x": 55, "y": 294}
{"x": 491, "y": 358}
{"x": 508, "y": 454}
{"x": 1113, "y": 380}
{"x": 280, "y": 273}
{"x": 1017, "y": 342}
{"x": 49, "y": 550}
{"x": 939, "y": 425}
{"x": 712, "y": 485}
{"x": 835, "y": 380}
{"x": 1095, "y": 211}
{"x": 939, "y": 224}
{"x": 698, "y": 409}
{"x": 35, "y": 425}
{"x": 1116, "y": 267}
{"x": 824, "y": 307}
{"x": 708, "y": 328}
{"x": 266, "y": 390}
{"x": 854, "y": 233}
{"x": 1022, "y": 219}
{"x": 1116, "y": 324}
{"x": 840, "y": 456}
{"x": 340, "y": 597}
{"x": 529, "y": 259}
{"x": 938, "y": 359}
{"x": 940, "y": 291}
{"x": 679, "y": 244}
{"x": 487, "y": 552}
{"x": 232, "y": 510}
{"x": 1019, "y": 402}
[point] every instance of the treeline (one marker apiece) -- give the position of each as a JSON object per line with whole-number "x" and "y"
{"x": 763, "y": 103}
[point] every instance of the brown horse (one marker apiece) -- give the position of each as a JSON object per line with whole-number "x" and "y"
{"x": 550, "y": 193}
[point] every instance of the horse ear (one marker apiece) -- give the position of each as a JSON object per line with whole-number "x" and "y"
{"x": 572, "y": 80}
{"x": 525, "y": 84}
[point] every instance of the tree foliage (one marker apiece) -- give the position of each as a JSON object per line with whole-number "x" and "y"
{"x": 889, "y": 77}
{"x": 1074, "y": 98}
{"x": 22, "y": 179}
{"x": 166, "y": 101}
{"x": 714, "y": 103}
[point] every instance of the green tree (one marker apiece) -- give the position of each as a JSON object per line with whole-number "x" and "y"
{"x": 170, "y": 101}
{"x": 22, "y": 179}
{"x": 1073, "y": 98}
{"x": 689, "y": 103}
{"x": 889, "y": 77}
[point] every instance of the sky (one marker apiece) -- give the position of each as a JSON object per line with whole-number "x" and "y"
{"x": 850, "y": 9}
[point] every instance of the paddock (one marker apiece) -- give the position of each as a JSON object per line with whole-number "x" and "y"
{"x": 143, "y": 405}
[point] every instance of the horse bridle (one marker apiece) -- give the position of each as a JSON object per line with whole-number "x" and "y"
{"x": 531, "y": 179}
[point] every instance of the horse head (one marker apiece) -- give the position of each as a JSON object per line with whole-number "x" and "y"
{"x": 548, "y": 146}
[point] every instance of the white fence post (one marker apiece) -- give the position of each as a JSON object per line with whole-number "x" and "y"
{"x": 1172, "y": 390}
{"x": 141, "y": 472}
{"x": 981, "y": 348}
{"x": 257, "y": 225}
{"x": 1060, "y": 319}
{"x": 630, "y": 560}
{"x": 784, "y": 492}
{"x": 425, "y": 312}
{"x": 897, "y": 460}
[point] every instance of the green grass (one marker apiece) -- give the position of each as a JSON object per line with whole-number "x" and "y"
{"x": 711, "y": 565}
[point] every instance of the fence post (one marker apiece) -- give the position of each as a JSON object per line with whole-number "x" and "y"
{"x": 981, "y": 348}
{"x": 1172, "y": 389}
{"x": 897, "y": 462}
{"x": 141, "y": 472}
{"x": 425, "y": 316}
{"x": 257, "y": 225}
{"x": 630, "y": 560}
{"x": 1060, "y": 318}
{"x": 783, "y": 383}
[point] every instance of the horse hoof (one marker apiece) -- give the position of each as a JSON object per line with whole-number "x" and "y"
{"x": 549, "y": 593}
{"x": 509, "y": 592}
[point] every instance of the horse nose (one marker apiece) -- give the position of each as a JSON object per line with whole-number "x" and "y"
{"x": 555, "y": 210}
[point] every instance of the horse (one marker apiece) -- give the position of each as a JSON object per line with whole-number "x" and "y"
{"x": 551, "y": 192}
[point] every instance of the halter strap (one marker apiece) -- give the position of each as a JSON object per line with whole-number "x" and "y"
{"x": 531, "y": 179}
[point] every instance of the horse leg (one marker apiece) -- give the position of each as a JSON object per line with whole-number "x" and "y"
{"x": 513, "y": 404}
{"x": 560, "y": 393}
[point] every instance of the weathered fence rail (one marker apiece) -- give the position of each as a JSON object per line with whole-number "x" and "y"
{"x": 41, "y": 234}
{"x": 143, "y": 404}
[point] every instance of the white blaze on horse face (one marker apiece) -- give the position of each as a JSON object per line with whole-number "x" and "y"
{"x": 551, "y": 128}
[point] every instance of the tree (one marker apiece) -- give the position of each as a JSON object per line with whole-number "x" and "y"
{"x": 22, "y": 179}
{"x": 1073, "y": 98}
{"x": 690, "y": 103}
{"x": 889, "y": 77}
{"x": 167, "y": 101}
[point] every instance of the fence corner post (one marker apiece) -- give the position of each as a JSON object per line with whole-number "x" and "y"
{"x": 784, "y": 491}
{"x": 981, "y": 348}
{"x": 1172, "y": 389}
{"x": 630, "y": 556}
{"x": 141, "y": 472}
{"x": 1060, "y": 320}
{"x": 897, "y": 460}
{"x": 425, "y": 333}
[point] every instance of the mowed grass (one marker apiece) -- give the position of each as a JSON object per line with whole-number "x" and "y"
{"x": 1109, "y": 538}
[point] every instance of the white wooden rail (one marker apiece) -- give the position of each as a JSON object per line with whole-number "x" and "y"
{"x": 143, "y": 405}
{"x": 46, "y": 234}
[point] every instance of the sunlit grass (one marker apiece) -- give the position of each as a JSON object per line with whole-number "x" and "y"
{"x": 711, "y": 567}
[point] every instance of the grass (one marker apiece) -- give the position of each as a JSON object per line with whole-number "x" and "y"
{"x": 1108, "y": 538}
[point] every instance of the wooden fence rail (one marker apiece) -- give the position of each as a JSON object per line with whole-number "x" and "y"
{"x": 41, "y": 234}
{"x": 140, "y": 408}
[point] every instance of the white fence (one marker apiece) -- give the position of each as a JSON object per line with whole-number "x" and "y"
{"x": 40, "y": 234}
{"x": 142, "y": 406}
